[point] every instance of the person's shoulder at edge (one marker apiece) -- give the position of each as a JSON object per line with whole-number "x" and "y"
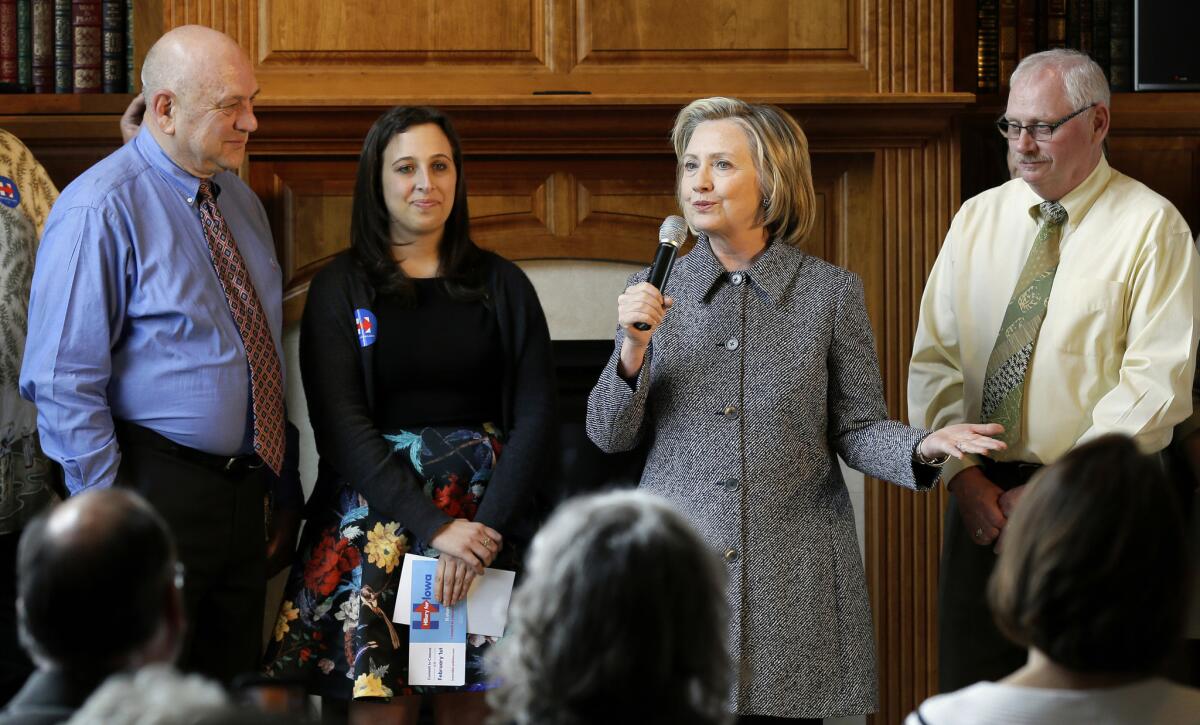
{"x": 337, "y": 273}
{"x": 1130, "y": 196}
{"x": 113, "y": 175}
{"x": 961, "y": 706}
{"x": 989, "y": 702}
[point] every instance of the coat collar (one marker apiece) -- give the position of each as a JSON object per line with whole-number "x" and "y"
{"x": 771, "y": 273}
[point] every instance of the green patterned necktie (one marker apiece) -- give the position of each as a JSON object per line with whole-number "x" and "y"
{"x": 1004, "y": 383}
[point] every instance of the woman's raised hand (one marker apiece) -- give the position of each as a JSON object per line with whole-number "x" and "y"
{"x": 956, "y": 440}
{"x": 645, "y": 304}
{"x": 641, "y": 303}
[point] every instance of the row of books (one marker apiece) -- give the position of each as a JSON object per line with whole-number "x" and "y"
{"x": 1009, "y": 30}
{"x": 66, "y": 46}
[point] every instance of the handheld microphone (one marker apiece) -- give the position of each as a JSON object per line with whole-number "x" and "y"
{"x": 670, "y": 238}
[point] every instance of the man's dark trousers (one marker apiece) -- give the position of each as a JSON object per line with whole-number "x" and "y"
{"x": 970, "y": 647}
{"x": 217, "y": 518}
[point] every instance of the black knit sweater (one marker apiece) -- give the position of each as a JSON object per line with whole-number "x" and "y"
{"x": 338, "y": 376}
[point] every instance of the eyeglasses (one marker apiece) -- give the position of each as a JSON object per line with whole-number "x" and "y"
{"x": 1039, "y": 131}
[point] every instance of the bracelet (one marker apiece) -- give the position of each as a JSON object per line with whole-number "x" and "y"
{"x": 919, "y": 457}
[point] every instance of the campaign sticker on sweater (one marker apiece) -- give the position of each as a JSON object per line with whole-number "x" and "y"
{"x": 10, "y": 195}
{"x": 364, "y": 325}
{"x": 437, "y": 640}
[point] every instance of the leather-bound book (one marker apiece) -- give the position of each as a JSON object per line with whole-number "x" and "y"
{"x": 112, "y": 55}
{"x": 1101, "y": 32}
{"x": 42, "y": 16}
{"x": 24, "y": 46}
{"x": 8, "y": 43}
{"x": 1055, "y": 23}
{"x": 1120, "y": 44}
{"x": 1084, "y": 41}
{"x": 86, "y": 35}
{"x": 64, "y": 56}
{"x": 1027, "y": 28}
{"x": 988, "y": 42}
{"x": 1008, "y": 40}
{"x": 130, "y": 81}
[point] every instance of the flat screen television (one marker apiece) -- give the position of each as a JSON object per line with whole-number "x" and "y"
{"x": 1166, "y": 45}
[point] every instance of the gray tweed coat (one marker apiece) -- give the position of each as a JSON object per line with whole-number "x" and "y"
{"x": 752, "y": 385}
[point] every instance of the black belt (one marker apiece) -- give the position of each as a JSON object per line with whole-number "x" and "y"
{"x": 231, "y": 466}
{"x": 1009, "y": 474}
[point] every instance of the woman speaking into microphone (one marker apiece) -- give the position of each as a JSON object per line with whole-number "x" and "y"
{"x": 755, "y": 373}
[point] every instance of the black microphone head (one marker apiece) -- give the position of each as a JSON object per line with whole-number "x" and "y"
{"x": 673, "y": 231}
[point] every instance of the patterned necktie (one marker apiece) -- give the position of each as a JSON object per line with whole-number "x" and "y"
{"x": 266, "y": 380}
{"x": 1004, "y": 383}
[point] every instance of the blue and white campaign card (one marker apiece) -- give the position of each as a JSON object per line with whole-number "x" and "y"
{"x": 437, "y": 639}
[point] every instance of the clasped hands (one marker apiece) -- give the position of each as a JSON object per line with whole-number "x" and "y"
{"x": 466, "y": 547}
{"x": 984, "y": 507}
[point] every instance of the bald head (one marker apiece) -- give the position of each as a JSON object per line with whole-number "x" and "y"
{"x": 106, "y": 552}
{"x": 199, "y": 88}
{"x": 185, "y": 58}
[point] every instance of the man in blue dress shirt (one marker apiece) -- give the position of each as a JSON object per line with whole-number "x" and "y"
{"x": 135, "y": 360}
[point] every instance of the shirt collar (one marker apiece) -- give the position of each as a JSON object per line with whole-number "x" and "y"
{"x": 1079, "y": 200}
{"x": 772, "y": 272}
{"x": 181, "y": 181}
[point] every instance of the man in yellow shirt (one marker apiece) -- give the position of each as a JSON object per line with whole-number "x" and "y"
{"x": 1063, "y": 304}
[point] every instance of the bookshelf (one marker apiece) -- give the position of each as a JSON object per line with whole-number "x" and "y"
{"x": 135, "y": 23}
{"x": 998, "y": 33}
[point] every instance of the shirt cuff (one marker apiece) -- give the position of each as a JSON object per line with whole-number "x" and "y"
{"x": 955, "y": 466}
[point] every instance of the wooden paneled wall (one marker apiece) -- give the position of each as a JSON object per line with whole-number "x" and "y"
{"x": 583, "y": 51}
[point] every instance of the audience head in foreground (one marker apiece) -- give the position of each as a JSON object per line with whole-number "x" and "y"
{"x": 98, "y": 588}
{"x": 621, "y": 617}
{"x": 98, "y": 593}
{"x": 1093, "y": 580}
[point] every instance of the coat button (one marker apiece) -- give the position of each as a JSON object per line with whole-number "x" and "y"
{"x": 731, "y": 344}
{"x": 731, "y": 484}
{"x": 730, "y": 412}
{"x": 731, "y": 555}
{"x": 737, "y": 278}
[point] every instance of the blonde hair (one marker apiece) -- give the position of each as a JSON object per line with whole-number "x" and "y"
{"x": 780, "y": 151}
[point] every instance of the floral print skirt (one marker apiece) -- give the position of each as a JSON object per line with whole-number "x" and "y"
{"x": 335, "y": 629}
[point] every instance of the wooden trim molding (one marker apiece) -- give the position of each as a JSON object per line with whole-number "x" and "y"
{"x": 534, "y": 51}
{"x": 919, "y": 190}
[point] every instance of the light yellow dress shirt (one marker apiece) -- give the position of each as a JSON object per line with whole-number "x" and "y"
{"x": 1116, "y": 351}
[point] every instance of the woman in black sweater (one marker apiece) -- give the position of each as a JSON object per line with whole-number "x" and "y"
{"x": 426, "y": 365}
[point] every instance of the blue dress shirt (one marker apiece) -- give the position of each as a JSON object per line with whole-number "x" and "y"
{"x": 128, "y": 321}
